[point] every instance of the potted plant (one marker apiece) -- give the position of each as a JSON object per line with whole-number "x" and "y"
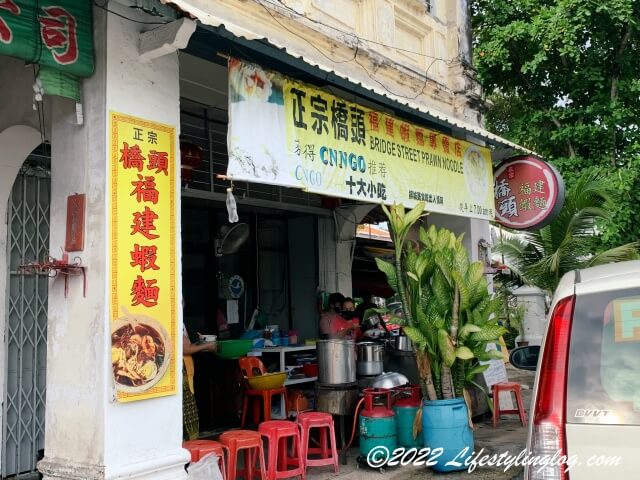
{"x": 450, "y": 317}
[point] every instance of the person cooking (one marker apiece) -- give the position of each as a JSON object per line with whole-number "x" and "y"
{"x": 348, "y": 305}
{"x": 333, "y": 324}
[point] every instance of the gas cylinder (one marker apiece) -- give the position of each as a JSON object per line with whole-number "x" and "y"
{"x": 406, "y": 407}
{"x": 377, "y": 421}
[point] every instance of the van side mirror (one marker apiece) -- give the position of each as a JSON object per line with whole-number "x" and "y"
{"x": 525, "y": 358}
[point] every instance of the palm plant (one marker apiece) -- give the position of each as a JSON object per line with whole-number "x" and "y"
{"x": 448, "y": 312}
{"x": 542, "y": 257}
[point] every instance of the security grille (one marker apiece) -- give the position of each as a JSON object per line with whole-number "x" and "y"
{"x": 26, "y": 325}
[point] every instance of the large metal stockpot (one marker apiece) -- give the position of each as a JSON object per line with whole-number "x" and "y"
{"x": 370, "y": 358}
{"x": 336, "y": 361}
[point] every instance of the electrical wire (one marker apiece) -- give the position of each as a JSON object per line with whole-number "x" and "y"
{"x": 372, "y": 77}
{"x": 368, "y": 40}
{"x": 303, "y": 38}
{"x": 104, "y": 7}
{"x": 357, "y": 40}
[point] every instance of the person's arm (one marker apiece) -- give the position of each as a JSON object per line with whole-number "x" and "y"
{"x": 189, "y": 348}
{"x": 325, "y": 325}
{"x": 345, "y": 330}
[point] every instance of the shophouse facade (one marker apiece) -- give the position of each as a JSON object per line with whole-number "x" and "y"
{"x": 407, "y": 58}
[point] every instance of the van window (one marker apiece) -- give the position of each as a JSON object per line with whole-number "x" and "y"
{"x": 604, "y": 359}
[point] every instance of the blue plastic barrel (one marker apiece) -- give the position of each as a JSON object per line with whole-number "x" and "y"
{"x": 445, "y": 425}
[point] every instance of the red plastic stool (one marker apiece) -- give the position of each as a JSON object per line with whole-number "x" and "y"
{"x": 277, "y": 433}
{"x": 508, "y": 387}
{"x": 200, "y": 448}
{"x": 323, "y": 421}
{"x": 251, "y": 443}
{"x": 250, "y": 367}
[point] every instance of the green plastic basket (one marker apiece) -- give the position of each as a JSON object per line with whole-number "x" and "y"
{"x": 234, "y": 348}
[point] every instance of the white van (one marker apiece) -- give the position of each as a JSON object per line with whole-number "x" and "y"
{"x": 586, "y": 398}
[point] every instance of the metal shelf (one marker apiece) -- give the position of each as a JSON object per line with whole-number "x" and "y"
{"x": 281, "y": 352}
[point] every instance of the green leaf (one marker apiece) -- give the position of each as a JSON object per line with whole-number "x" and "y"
{"x": 416, "y": 336}
{"x": 464, "y": 353}
{"x": 468, "y": 329}
{"x": 462, "y": 289}
{"x": 422, "y": 263}
{"x": 444, "y": 261}
{"x": 432, "y": 235}
{"x": 390, "y": 272}
{"x": 413, "y": 276}
{"x": 410, "y": 258}
{"x": 479, "y": 292}
{"x": 475, "y": 272}
{"x": 477, "y": 318}
{"x": 444, "y": 237}
{"x": 461, "y": 258}
{"x": 472, "y": 372}
{"x": 488, "y": 333}
{"x": 447, "y": 350}
{"x": 424, "y": 238}
{"x": 441, "y": 289}
{"x": 436, "y": 320}
{"x": 493, "y": 355}
{"x": 417, "y": 212}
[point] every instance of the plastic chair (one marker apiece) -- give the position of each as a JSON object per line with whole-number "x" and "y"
{"x": 328, "y": 451}
{"x": 200, "y": 448}
{"x": 251, "y": 443}
{"x": 250, "y": 367}
{"x": 277, "y": 433}
{"x": 517, "y": 391}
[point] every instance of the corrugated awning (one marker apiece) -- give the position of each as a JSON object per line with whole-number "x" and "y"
{"x": 208, "y": 15}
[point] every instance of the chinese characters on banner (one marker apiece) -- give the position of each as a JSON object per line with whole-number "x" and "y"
{"x": 528, "y": 193}
{"x": 143, "y": 258}
{"x": 284, "y": 132}
{"x": 52, "y": 33}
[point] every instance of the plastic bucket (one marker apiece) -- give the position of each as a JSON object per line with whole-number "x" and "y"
{"x": 445, "y": 425}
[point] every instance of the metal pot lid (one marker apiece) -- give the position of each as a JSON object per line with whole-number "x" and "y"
{"x": 336, "y": 340}
{"x": 389, "y": 380}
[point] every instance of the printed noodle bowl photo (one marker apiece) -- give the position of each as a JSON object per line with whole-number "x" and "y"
{"x": 140, "y": 353}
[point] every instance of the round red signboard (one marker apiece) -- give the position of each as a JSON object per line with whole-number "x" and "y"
{"x": 528, "y": 193}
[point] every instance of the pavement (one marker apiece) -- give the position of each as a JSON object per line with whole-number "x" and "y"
{"x": 509, "y": 436}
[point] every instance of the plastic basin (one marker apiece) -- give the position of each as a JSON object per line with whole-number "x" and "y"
{"x": 268, "y": 381}
{"x": 310, "y": 369}
{"x": 234, "y": 348}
